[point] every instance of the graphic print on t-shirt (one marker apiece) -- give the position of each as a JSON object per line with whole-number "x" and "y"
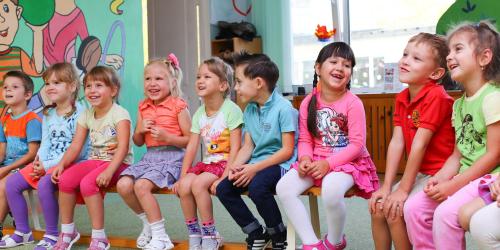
{"x": 332, "y": 127}
{"x": 469, "y": 136}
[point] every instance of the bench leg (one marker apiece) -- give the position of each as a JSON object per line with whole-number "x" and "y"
{"x": 32, "y": 204}
{"x": 313, "y": 209}
{"x": 290, "y": 236}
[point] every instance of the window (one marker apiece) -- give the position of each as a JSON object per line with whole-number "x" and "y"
{"x": 305, "y": 16}
{"x": 379, "y": 31}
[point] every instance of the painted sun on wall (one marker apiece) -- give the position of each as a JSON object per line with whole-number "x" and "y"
{"x": 35, "y": 34}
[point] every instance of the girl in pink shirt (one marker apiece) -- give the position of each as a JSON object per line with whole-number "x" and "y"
{"x": 332, "y": 151}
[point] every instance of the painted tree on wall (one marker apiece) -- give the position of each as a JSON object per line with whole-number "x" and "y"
{"x": 469, "y": 10}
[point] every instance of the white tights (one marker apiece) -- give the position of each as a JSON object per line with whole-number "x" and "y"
{"x": 485, "y": 227}
{"x": 334, "y": 187}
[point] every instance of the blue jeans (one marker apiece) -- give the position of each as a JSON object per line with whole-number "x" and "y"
{"x": 261, "y": 191}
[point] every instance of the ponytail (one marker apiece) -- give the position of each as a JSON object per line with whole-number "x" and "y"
{"x": 311, "y": 109}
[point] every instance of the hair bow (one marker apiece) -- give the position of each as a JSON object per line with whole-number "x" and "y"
{"x": 173, "y": 59}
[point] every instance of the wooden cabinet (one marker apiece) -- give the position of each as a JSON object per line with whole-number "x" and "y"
{"x": 236, "y": 44}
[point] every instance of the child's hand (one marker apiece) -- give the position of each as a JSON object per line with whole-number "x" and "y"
{"x": 147, "y": 124}
{"x": 4, "y": 171}
{"x": 394, "y": 203}
{"x": 233, "y": 169}
{"x": 58, "y": 170}
{"x": 495, "y": 190}
{"x": 160, "y": 134}
{"x": 433, "y": 181}
{"x": 112, "y": 148}
{"x": 104, "y": 178}
{"x": 378, "y": 198}
{"x": 441, "y": 191}
{"x": 245, "y": 175}
{"x": 304, "y": 165}
{"x": 318, "y": 169}
{"x": 213, "y": 187}
{"x": 175, "y": 188}
{"x": 38, "y": 169}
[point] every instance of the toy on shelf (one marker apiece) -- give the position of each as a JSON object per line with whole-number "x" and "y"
{"x": 323, "y": 34}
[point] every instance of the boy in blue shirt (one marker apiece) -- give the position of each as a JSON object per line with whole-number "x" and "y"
{"x": 20, "y": 131}
{"x": 269, "y": 148}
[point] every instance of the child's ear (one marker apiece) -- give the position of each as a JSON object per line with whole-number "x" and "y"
{"x": 114, "y": 91}
{"x": 223, "y": 86}
{"x": 437, "y": 74}
{"x": 317, "y": 67}
{"x": 260, "y": 82}
{"x": 19, "y": 10}
{"x": 28, "y": 95}
{"x": 485, "y": 57}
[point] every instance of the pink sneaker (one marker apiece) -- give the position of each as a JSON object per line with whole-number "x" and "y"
{"x": 318, "y": 246}
{"x": 65, "y": 241}
{"x": 99, "y": 244}
{"x": 342, "y": 245}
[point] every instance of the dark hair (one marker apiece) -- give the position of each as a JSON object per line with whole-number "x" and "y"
{"x": 63, "y": 72}
{"x": 258, "y": 65}
{"x": 104, "y": 74}
{"x": 484, "y": 36}
{"x": 222, "y": 70}
{"x": 25, "y": 79}
{"x": 337, "y": 49}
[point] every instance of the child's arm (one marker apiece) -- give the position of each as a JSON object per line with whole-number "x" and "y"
{"x": 3, "y": 147}
{"x": 179, "y": 141}
{"x": 394, "y": 154}
{"x": 306, "y": 141}
{"x": 242, "y": 157}
{"x": 191, "y": 149}
{"x": 123, "y": 138}
{"x": 142, "y": 127}
{"x": 23, "y": 161}
{"x": 71, "y": 153}
{"x": 248, "y": 171}
{"x": 418, "y": 148}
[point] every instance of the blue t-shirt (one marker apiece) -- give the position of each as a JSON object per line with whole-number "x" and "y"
{"x": 266, "y": 125}
{"x": 57, "y": 135}
{"x": 17, "y": 132}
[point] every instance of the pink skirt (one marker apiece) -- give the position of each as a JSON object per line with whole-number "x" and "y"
{"x": 216, "y": 168}
{"x": 363, "y": 172}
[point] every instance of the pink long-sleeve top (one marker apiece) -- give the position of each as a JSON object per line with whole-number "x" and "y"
{"x": 341, "y": 127}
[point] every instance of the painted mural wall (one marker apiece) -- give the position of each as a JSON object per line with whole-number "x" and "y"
{"x": 37, "y": 34}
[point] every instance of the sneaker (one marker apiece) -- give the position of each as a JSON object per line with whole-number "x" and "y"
{"x": 211, "y": 242}
{"x": 279, "y": 241}
{"x": 342, "y": 245}
{"x": 143, "y": 239}
{"x": 99, "y": 244}
{"x": 47, "y": 243}
{"x": 65, "y": 241}
{"x": 195, "y": 242}
{"x": 16, "y": 239}
{"x": 258, "y": 242}
{"x": 160, "y": 244}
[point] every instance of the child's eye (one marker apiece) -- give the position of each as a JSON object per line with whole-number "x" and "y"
{"x": 158, "y": 78}
{"x": 417, "y": 58}
{"x": 405, "y": 54}
{"x": 6, "y": 8}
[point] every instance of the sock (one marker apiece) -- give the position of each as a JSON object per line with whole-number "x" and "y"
{"x": 193, "y": 226}
{"x": 98, "y": 234}
{"x": 208, "y": 228}
{"x": 68, "y": 228}
{"x": 145, "y": 224}
{"x": 158, "y": 229}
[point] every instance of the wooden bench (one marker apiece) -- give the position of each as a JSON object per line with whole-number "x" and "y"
{"x": 117, "y": 241}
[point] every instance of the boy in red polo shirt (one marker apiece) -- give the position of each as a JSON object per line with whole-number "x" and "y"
{"x": 422, "y": 128}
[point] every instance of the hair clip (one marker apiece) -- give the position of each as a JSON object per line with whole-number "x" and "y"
{"x": 173, "y": 60}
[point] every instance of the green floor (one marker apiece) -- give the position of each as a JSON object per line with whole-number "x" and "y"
{"x": 121, "y": 221}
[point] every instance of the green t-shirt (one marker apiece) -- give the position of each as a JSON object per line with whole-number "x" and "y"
{"x": 215, "y": 130}
{"x": 471, "y": 116}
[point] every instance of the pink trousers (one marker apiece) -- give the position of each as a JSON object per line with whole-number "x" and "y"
{"x": 82, "y": 177}
{"x": 433, "y": 225}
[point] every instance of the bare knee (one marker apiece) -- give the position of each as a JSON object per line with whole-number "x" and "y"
{"x": 143, "y": 187}
{"x": 125, "y": 186}
{"x": 378, "y": 216}
{"x": 199, "y": 187}
{"x": 464, "y": 215}
{"x": 184, "y": 187}
{"x": 395, "y": 221}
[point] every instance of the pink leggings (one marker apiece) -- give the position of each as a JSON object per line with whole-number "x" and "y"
{"x": 433, "y": 225}
{"x": 82, "y": 177}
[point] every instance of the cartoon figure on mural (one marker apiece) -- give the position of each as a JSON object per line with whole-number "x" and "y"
{"x": 56, "y": 39}
{"x": 12, "y": 57}
{"x": 332, "y": 127}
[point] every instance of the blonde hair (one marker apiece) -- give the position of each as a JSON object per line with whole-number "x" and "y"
{"x": 484, "y": 36}
{"x": 104, "y": 74}
{"x": 173, "y": 71}
{"x": 63, "y": 72}
{"x": 222, "y": 70}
